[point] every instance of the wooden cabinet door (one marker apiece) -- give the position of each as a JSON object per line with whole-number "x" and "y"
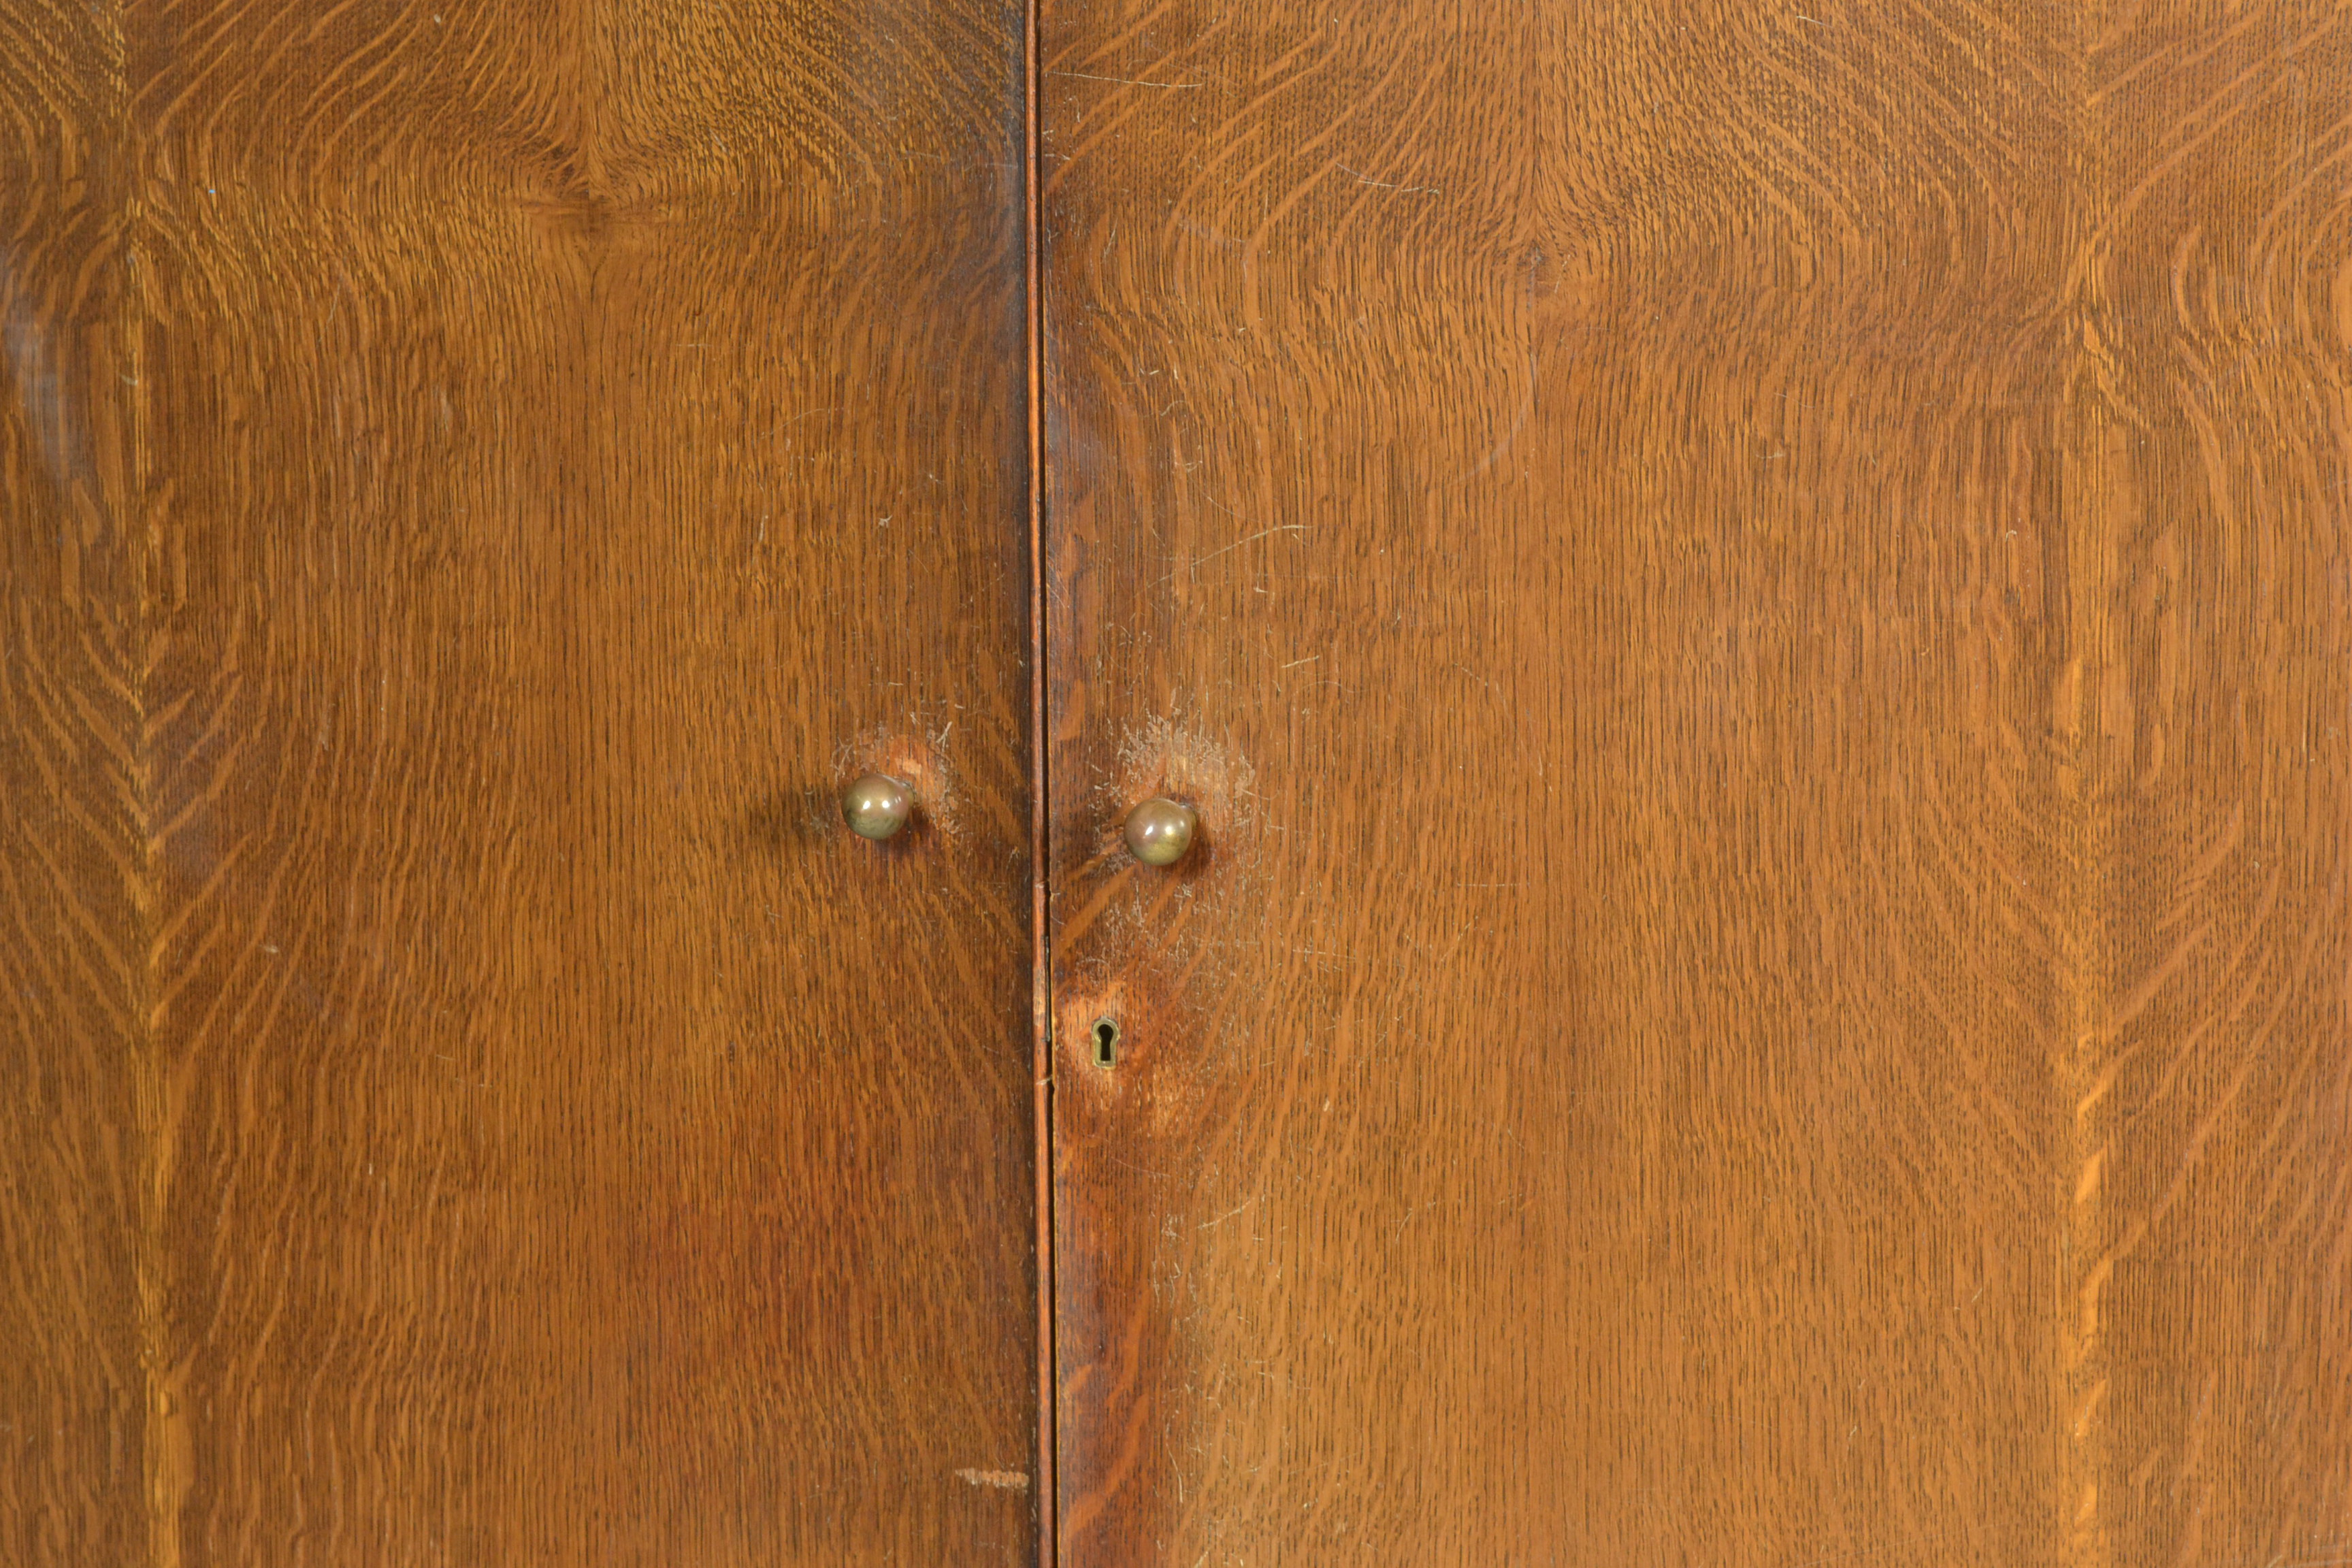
{"x": 477, "y": 479}
{"x": 1753, "y": 598}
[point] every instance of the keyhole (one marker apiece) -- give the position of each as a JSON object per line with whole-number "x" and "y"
{"x": 1106, "y": 1042}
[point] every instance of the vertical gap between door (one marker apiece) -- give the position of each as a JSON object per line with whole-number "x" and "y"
{"x": 1042, "y": 968}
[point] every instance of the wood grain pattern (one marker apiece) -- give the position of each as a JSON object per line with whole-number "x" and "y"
{"x": 478, "y": 477}
{"x": 74, "y": 1405}
{"x": 1754, "y": 599}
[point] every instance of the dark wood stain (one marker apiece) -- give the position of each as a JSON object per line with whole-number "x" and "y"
{"x": 477, "y": 479}
{"x": 1755, "y": 600}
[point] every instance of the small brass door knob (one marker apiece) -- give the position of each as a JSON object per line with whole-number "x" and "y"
{"x": 1160, "y": 830}
{"x": 877, "y": 806}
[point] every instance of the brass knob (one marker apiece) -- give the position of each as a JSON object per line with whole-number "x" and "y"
{"x": 1160, "y": 830}
{"x": 876, "y": 807}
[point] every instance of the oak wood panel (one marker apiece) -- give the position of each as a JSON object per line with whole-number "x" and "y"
{"x": 1753, "y": 598}
{"x": 481, "y": 1105}
{"x": 73, "y": 1394}
{"x": 2203, "y": 708}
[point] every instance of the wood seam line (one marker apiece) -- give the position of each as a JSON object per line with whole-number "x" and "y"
{"x": 1040, "y": 847}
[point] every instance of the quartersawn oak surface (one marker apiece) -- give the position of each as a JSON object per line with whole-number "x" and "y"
{"x": 1754, "y": 599}
{"x": 477, "y": 478}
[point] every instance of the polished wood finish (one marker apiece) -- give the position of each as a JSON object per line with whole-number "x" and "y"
{"x": 479, "y": 478}
{"x": 1753, "y": 601}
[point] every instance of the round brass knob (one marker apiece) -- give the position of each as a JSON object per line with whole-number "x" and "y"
{"x": 876, "y": 807}
{"x": 1160, "y": 830}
